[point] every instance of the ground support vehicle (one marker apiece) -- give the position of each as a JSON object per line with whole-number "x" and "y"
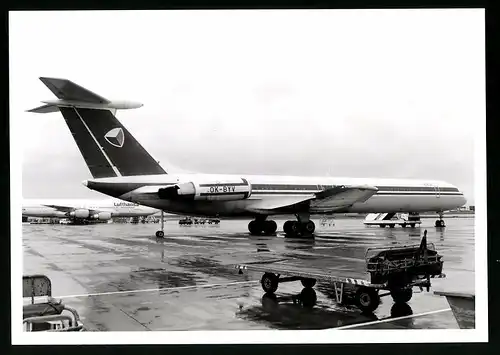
{"x": 395, "y": 270}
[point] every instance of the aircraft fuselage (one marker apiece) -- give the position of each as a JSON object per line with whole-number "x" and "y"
{"x": 392, "y": 195}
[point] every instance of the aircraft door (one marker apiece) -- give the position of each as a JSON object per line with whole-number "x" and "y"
{"x": 436, "y": 190}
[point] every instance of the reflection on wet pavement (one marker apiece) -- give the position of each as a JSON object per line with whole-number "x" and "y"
{"x": 120, "y": 277}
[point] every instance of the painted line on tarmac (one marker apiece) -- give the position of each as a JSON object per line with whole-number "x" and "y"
{"x": 392, "y": 319}
{"x": 158, "y": 289}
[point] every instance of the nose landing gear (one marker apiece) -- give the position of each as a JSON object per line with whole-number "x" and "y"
{"x": 160, "y": 233}
{"x": 440, "y": 222}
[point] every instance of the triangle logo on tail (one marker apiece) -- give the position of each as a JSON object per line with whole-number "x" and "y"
{"x": 115, "y": 137}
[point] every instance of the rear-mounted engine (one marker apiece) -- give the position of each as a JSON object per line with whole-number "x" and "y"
{"x": 237, "y": 189}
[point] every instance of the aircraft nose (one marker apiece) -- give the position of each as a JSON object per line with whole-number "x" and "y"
{"x": 85, "y": 183}
{"x": 463, "y": 199}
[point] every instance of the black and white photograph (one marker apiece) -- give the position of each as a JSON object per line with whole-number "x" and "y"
{"x": 256, "y": 176}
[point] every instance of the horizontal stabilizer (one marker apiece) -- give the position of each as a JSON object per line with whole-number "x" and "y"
{"x": 72, "y": 95}
{"x": 45, "y": 109}
{"x": 65, "y": 89}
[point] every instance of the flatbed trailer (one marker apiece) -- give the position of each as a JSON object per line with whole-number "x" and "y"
{"x": 396, "y": 277}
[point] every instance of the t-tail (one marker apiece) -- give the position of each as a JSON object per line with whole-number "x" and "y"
{"x": 106, "y": 145}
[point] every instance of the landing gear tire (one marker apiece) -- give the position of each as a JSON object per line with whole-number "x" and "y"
{"x": 367, "y": 299}
{"x": 269, "y": 282}
{"x": 308, "y": 298}
{"x": 257, "y": 227}
{"x": 440, "y": 223}
{"x": 270, "y": 227}
{"x": 295, "y": 229}
{"x": 160, "y": 234}
{"x": 402, "y": 295}
{"x": 308, "y": 283}
{"x": 254, "y": 228}
{"x": 287, "y": 227}
{"x": 310, "y": 227}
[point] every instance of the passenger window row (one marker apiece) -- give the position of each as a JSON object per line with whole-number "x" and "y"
{"x": 324, "y": 187}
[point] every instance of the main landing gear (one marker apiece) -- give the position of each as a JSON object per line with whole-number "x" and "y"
{"x": 440, "y": 222}
{"x": 261, "y": 226}
{"x": 303, "y": 227}
{"x": 160, "y": 233}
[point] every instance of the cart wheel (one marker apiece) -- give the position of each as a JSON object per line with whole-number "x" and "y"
{"x": 269, "y": 301}
{"x": 308, "y": 297}
{"x": 308, "y": 283}
{"x": 402, "y": 295}
{"x": 367, "y": 299}
{"x": 269, "y": 282}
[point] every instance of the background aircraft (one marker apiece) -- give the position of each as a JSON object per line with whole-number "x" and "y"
{"x": 84, "y": 210}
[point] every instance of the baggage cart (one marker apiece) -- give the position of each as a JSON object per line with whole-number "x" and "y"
{"x": 395, "y": 270}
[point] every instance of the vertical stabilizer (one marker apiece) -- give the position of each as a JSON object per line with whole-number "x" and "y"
{"x": 107, "y": 147}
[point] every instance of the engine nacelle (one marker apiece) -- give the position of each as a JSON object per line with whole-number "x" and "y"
{"x": 237, "y": 189}
{"x": 80, "y": 213}
{"x": 103, "y": 216}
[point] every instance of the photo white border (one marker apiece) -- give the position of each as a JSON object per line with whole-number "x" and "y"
{"x": 479, "y": 334}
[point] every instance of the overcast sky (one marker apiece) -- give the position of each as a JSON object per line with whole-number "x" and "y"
{"x": 395, "y": 93}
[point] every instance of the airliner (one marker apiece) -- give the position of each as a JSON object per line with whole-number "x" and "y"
{"x": 79, "y": 210}
{"x": 122, "y": 168}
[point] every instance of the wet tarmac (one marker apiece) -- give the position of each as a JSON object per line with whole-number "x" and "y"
{"x": 120, "y": 277}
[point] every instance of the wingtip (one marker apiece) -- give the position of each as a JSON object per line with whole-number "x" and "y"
{"x": 48, "y": 78}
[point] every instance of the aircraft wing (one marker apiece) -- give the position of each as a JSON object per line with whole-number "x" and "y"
{"x": 68, "y": 209}
{"x": 65, "y": 89}
{"x": 329, "y": 200}
{"x": 341, "y": 197}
